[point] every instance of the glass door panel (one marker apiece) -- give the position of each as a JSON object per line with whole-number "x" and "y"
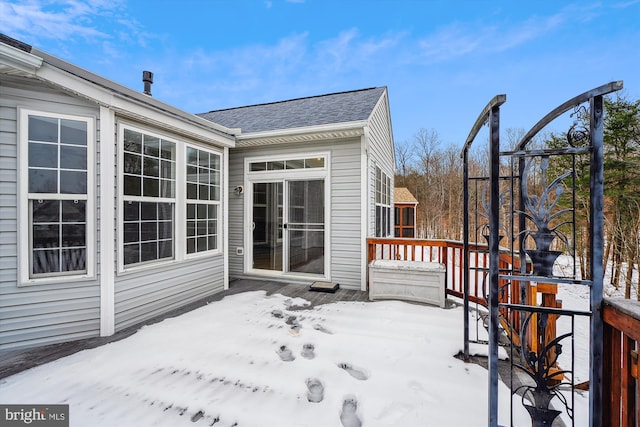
{"x": 305, "y": 226}
{"x": 267, "y": 225}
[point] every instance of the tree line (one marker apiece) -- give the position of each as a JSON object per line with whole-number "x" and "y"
{"x": 433, "y": 172}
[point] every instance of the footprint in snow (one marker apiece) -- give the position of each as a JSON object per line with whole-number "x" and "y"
{"x": 348, "y": 416}
{"x": 323, "y": 329}
{"x": 308, "y": 351}
{"x": 357, "y": 373}
{"x": 277, "y": 314}
{"x": 315, "y": 390}
{"x": 285, "y": 354}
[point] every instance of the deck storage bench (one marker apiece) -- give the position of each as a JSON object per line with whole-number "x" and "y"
{"x": 407, "y": 280}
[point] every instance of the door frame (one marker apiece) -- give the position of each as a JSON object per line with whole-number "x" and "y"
{"x": 283, "y": 176}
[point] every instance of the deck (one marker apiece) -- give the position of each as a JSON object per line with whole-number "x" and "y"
{"x": 13, "y": 362}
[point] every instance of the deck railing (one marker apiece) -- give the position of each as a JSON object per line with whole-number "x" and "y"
{"x": 621, "y": 383}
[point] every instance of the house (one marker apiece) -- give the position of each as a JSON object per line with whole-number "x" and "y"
{"x": 405, "y": 206}
{"x": 116, "y": 207}
{"x": 316, "y": 176}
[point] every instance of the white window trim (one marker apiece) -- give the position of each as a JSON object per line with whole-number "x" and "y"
{"x": 23, "y": 220}
{"x": 385, "y": 194}
{"x": 218, "y": 203}
{"x": 180, "y": 200}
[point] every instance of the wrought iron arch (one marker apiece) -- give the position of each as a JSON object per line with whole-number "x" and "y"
{"x": 527, "y": 187}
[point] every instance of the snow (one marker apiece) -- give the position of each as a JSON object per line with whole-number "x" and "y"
{"x": 257, "y": 360}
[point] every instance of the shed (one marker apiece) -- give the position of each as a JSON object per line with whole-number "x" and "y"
{"x": 405, "y": 211}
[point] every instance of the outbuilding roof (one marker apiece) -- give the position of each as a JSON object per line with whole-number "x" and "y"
{"x": 403, "y": 195}
{"x": 332, "y": 108}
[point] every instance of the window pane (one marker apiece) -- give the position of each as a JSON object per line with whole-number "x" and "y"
{"x": 74, "y": 210}
{"x": 212, "y": 211}
{"x": 132, "y": 164}
{"x": 191, "y": 228}
{"x": 192, "y": 156}
{"x": 43, "y": 129}
{"x": 295, "y": 164}
{"x": 201, "y": 228}
{"x": 275, "y": 166}
{"x": 151, "y": 146}
{"x": 396, "y": 216}
{"x": 204, "y": 192}
{"x": 131, "y": 211}
{"x": 165, "y": 211}
{"x": 151, "y": 167}
{"x": 73, "y": 157}
{"x": 202, "y": 244}
{"x": 131, "y": 233}
{"x": 132, "y": 185}
{"x": 314, "y": 163}
{"x": 73, "y": 132}
{"x": 167, "y": 169}
{"x": 213, "y": 242}
{"x": 215, "y": 162}
{"x": 407, "y": 232}
{"x": 165, "y": 249}
{"x": 168, "y": 150}
{"x": 46, "y": 236}
{"x": 167, "y": 189}
{"x": 151, "y": 187}
{"x": 74, "y": 259}
{"x": 73, "y": 235}
{"x": 214, "y": 193}
{"x": 46, "y": 211}
{"x": 73, "y": 182}
{"x": 149, "y": 211}
{"x": 148, "y": 231}
{"x": 203, "y": 158}
{"x": 191, "y": 211}
{"x": 212, "y": 227}
{"x": 407, "y": 216}
{"x": 165, "y": 230}
{"x": 202, "y": 211}
{"x": 132, "y": 141}
{"x": 191, "y": 245}
{"x": 192, "y": 191}
{"x": 148, "y": 251}
{"x": 46, "y": 261}
{"x": 192, "y": 173}
{"x": 131, "y": 253}
{"x": 259, "y": 166}
{"x": 43, "y": 181}
{"x": 43, "y": 155}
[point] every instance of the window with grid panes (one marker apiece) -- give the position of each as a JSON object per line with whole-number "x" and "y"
{"x": 383, "y": 204}
{"x": 58, "y": 148}
{"x": 149, "y": 186}
{"x": 203, "y": 200}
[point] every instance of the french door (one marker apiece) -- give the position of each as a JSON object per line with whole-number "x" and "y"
{"x": 288, "y": 226}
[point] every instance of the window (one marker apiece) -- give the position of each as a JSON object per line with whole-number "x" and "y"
{"x": 56, "y": 151}
{"x": 149, "y": 186}
{"x": 203, "y": 200}
{"x": 405, "y": 221}
{"x": 278, "y": 165}
{"x": 383, "y": 204}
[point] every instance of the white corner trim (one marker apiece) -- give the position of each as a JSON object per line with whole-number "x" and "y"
{"x": 107, "y": 221}
{"x": 364, "y": 207}
{"x": 225, "y": 216}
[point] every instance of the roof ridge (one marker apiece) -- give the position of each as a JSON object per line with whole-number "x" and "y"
{"x": 290, "y": 100}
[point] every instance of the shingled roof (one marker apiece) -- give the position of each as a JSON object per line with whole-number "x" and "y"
{"x": 332, "y": 108}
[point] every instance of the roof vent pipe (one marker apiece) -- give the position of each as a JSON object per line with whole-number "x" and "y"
{"x": 147, "y": 78}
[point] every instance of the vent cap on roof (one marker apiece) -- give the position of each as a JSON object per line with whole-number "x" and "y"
{"x": 147, "y": 79}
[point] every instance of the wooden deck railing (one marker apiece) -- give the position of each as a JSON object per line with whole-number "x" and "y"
{"x": 450, "y": 253}
{"x": 621, "y": 383}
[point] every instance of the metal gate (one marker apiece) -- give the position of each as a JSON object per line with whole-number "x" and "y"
{"x": 539, "y": 206}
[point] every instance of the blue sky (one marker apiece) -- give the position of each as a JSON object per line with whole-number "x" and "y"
{"x": 441, "y": 60}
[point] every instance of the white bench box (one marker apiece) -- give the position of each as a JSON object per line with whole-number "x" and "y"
{"x": 407, "y": 280}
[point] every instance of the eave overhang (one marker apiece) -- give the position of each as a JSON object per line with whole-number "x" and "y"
{"x": 338, "y": 131}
